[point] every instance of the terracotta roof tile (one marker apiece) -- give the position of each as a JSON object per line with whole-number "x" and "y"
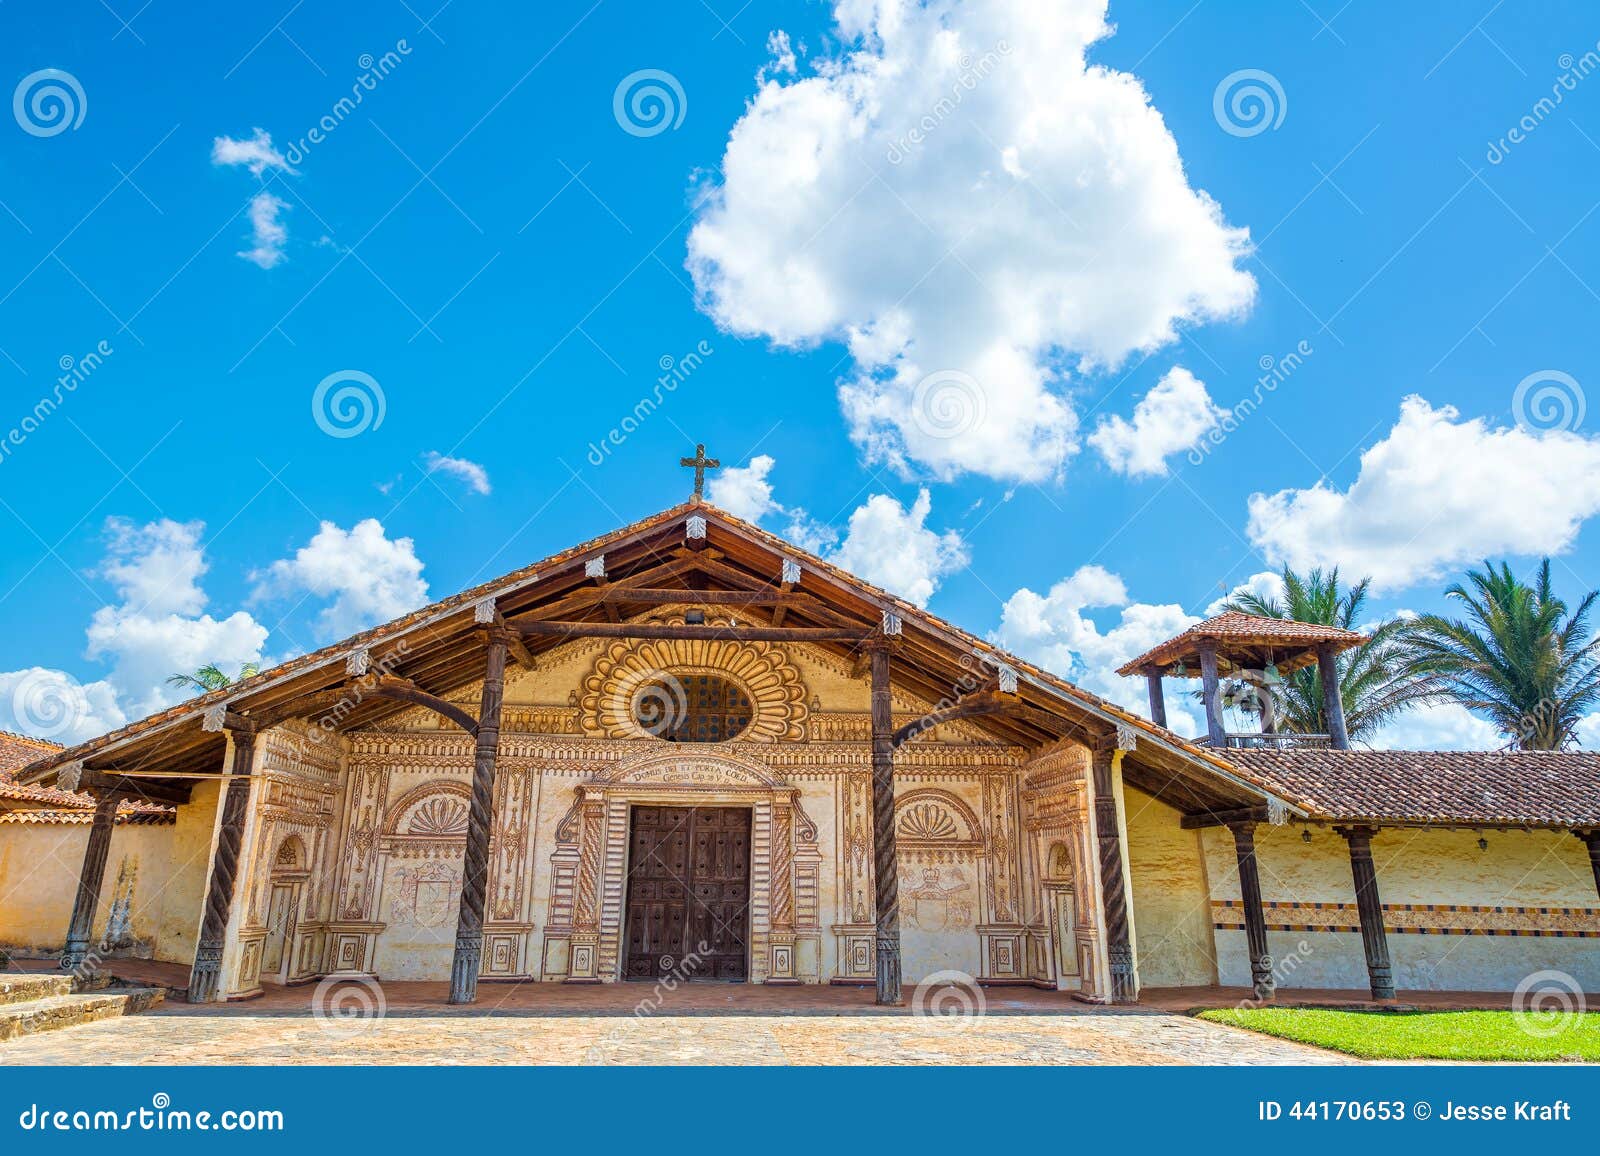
{"x": 16, "y": 752}
{"x": 1467, "y": 788}
{"x": 1244, "y": 630}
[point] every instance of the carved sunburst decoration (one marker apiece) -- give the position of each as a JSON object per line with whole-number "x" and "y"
{"x": 443, "y": 815}
{"x": 764, "y": 673}
{"x": 927, "y": 821}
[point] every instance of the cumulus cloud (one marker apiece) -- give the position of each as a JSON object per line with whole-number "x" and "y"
{"x": 267, "y": 230}
{"x": 976, "y": 212}
{"x": 745, "y": 492}
{"x": 51, "y": 704}
{"x": 256, "y": 153}
{"x": 1437, "y": 492}
{"x": 1267, "y": 586}
{"x": 1443, "y": 726}
{"x": 1054, "y": 631}
{"x": 1168, "y": 419}
{"x": 369, "y": 577}
{"x": 892, "y": 547}
{"x": 470, "y": 472}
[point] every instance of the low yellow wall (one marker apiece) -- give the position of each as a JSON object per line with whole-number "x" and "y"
{"x": 39, "y": 866}
{"x": 1519, "y": 872}
{"x": 1171, "y": 899}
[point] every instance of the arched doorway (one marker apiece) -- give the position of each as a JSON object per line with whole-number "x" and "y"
{"x": 1060, "y": 889}
{"x": 290, "y": 868}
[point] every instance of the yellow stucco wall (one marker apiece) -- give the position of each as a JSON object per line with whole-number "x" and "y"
{"x": 1518, "y": 869}
{"x": 1171, "y": 899}
{"x": 39, "y": 866}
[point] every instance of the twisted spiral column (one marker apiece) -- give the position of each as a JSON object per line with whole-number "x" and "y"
{"x": 886, "y": 862}
{"x": 468, "y": 957}
{"x": 205, "y": 977}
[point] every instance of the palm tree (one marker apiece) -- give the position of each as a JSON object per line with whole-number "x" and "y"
{"x": 1376, "y": 680}
{"x": 212, "y": 677}
{"x": 1520, "y": 656}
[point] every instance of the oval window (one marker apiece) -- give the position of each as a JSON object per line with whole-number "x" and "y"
{"x": 691, "y": 708}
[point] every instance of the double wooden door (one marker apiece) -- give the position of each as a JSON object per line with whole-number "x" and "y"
{"x": 688, "y": 909}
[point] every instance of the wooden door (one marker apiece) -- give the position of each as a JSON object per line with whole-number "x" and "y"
{"x": 689, "y": 893}
{"x": 280, "y": 928}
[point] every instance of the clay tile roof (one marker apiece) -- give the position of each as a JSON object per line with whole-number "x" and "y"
{"x": 1238, "y": 635}
{"x": 1466, "y": 788}
{"x": 16, "y": 752}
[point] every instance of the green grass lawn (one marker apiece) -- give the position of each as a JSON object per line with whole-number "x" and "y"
{"x": 1463, "y": 1035}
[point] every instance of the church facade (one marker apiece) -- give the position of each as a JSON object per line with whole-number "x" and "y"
{"x": 687, "y": 749}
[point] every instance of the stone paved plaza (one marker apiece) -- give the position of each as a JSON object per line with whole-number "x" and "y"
{"x": 405, "y": 1037}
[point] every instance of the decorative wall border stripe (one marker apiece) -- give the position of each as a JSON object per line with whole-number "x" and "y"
{"x": 1420, "y": 919}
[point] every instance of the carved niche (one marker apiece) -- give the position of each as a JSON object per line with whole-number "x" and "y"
{"x": 940, "y": 840}
{"x": 624, "y": 670}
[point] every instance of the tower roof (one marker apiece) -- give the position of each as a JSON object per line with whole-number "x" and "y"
{"x": 1243, "y": 642}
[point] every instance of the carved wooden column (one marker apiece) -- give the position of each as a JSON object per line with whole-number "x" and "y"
{"x": 1370, "y": 907}
{"x": 1113, "y": 887}
{"x": 1158, "y": 697}
{"x": 206, "y": 974}
{"x": 1591, "y": 840}
{"x": 475, "y": 866}
{"x": 1211, "y": 692}
{"x": 886, "y": 860}
{"x": 81, "y": 929}
{"x": 1255, "y": 919}
{"x": 1332, "y": 699}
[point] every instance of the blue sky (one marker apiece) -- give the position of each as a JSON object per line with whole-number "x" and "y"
{"x": 508, "y": 259}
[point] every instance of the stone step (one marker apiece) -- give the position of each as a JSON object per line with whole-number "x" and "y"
{"x": 22, "y": 986}
{"x": 65, "y": 1011}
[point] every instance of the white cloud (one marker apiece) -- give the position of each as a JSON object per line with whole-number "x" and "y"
{"x": 470, "y": 472}
{"x": 1267, "y": 586}
{"x": 1589, "y": 732}
{"x": 958, "y": 193}
{"x": 1435, "y": 493}
{"x": 255, "y": 153}
{"x": 1441, "y": 726}
{"x": 1170, "y": 418}
{"x": 892, "y": 547}
{"x": 269, "y": 233}
{"x": 744, "y": 491}
{"x": 51, "y": 704}
{"x": 1054, "y": 631}
{"x": 369, "y": 577}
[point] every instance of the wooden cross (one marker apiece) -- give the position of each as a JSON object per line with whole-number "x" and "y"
{"x": 700, "y": 464}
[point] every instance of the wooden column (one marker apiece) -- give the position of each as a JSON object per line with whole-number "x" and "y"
{"x": 886, "y": 860}
{"x": 81, "y": 929}
{"x": 1374, "y": 941}
{"x": 1591, "y": 839}
{"x": 1113, "y": 886}
{"x": 1211, "y": 691}
{"x": 475, "y": 866}
{"x": 1158, "y": 698}
{"x": 206, "y": 975}
{"x": 1255, "y": 919}
{"x": 1332, "y": 700}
